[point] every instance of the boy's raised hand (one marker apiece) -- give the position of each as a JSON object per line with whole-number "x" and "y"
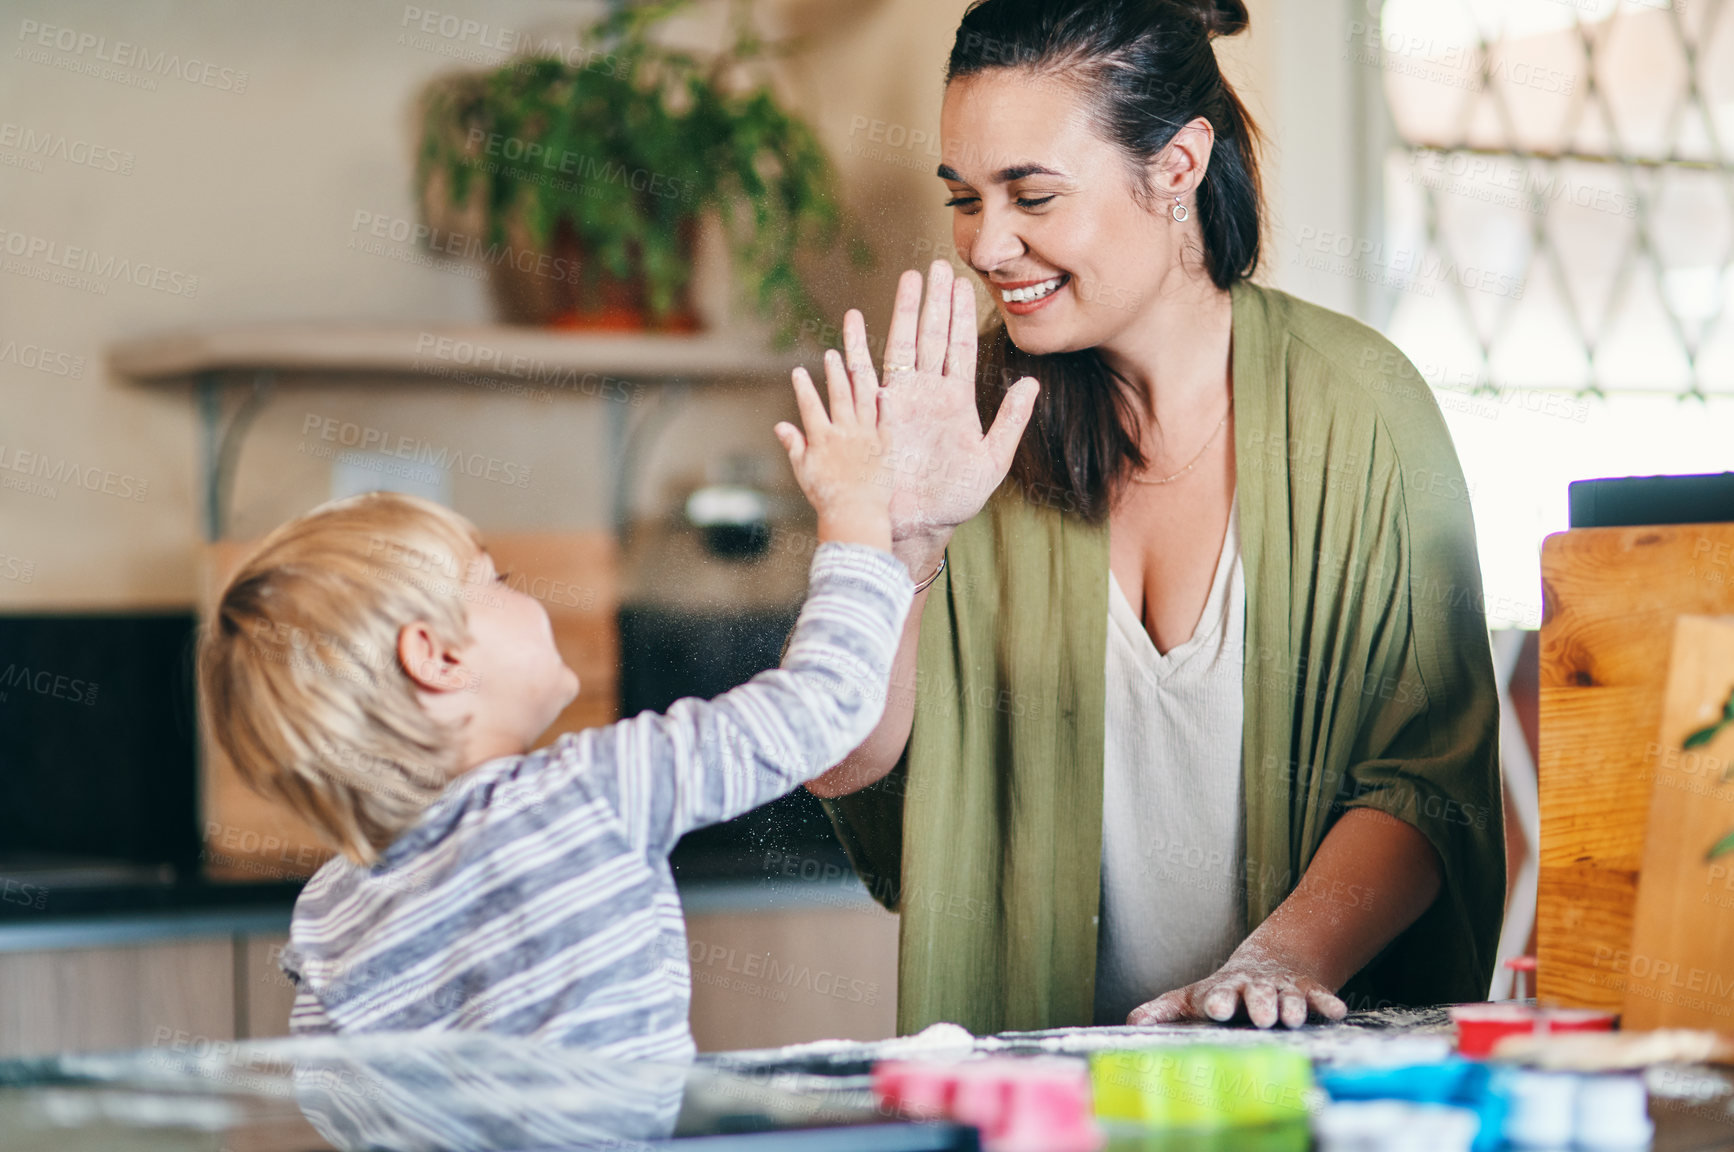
{"x": 841, "y": 461}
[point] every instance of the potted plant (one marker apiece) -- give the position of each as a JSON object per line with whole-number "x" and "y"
{"x": 587, "y": 173}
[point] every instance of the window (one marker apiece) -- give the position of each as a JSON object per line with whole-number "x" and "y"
{"x": 1558, "y": 253}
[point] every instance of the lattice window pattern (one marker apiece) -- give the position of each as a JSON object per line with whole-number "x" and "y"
{"x": 1560, "y": 202}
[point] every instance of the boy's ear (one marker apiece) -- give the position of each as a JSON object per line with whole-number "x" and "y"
{"x": 432, "y": 665}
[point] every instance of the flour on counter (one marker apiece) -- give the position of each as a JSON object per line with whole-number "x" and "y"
{"x": 1386, "y": 1036}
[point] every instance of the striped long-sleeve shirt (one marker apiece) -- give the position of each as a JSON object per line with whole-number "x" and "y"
{"x": 534, "y": 897}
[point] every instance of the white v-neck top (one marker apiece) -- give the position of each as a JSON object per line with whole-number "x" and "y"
{"x": 1173, "y": 841}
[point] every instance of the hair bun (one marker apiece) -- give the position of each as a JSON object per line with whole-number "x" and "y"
{"x": 1221, "y": 17}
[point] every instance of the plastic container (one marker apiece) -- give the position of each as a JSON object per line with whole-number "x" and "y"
{"x": 1039, "y": 1104}
{"x": 1543, "y": 1109}
{"x": 1394, "y": 1126}
{"x": 1481, "y": 1026}
{"x": 1457, "y": 1083}
{"x": 1612, "y": 1114}
{"x": 1202, "y": 1086}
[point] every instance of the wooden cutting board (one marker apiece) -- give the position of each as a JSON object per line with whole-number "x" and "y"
{"x": 576, "y": 577}
{"x": 1680, "y": 967}
{"x": 1610, "y": 596}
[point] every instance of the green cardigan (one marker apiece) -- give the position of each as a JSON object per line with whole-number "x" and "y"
{"x": 1368, "y": 680}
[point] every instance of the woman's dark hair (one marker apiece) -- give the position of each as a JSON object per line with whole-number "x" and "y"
{"x": 1148, "y": 68}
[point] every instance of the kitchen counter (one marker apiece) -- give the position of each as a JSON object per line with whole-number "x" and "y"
{"x": 427, "y": 1091}
{"x": 475, "y": 1091}
{"x": 112, "y": 971}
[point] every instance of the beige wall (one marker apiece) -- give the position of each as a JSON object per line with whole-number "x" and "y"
{"x": 254, "y": 191}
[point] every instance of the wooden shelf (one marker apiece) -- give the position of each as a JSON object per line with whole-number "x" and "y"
{"x": 535, "y": 355}
{"x": 254, "y": 359}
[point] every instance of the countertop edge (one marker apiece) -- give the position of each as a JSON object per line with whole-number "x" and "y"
{"x": 120, "y": 929}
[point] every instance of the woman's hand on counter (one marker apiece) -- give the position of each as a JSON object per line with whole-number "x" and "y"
{"x": 1270, "y": 985}
{"x": 1372, "y": 877}
{"x": 944, "y": 466}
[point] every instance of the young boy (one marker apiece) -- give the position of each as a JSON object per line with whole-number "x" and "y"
{"x": 368, "y": 668}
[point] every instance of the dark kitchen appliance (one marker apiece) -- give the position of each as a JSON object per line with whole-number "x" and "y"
{"x": 98, "y": 766}
{"x": 671, "y": 652}
{"x": 1638, "y": 500}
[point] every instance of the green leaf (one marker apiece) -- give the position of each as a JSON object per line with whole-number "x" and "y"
{"x": 1722, "y": 847}
{"x": 1704, "y": 735}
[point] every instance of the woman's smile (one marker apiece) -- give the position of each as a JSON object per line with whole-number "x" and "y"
{"x": 1022, "y": 297}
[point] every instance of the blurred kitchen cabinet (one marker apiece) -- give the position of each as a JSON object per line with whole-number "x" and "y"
{"x": 265, "y": 999}
{"x": 87, "y": 999}
{"x": 180, "y": 994}
{"x": 763, "y": 978}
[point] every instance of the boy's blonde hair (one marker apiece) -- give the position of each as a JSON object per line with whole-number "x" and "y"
{"x": 299, "y": 671}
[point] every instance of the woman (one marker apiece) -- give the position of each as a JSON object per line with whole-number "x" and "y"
{"x": 1197, "y": 715}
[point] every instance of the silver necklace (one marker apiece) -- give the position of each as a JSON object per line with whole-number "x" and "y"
{"x": 1166, "y": 479}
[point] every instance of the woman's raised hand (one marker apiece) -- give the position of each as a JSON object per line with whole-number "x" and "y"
{"x": 943, "y": 466}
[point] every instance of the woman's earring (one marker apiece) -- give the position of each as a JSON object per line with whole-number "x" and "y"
{"x": 1180, "y": 212}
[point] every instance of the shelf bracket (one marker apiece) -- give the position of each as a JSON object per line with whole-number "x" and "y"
{"x": 630, "y": 441}
{"x": 220, "y": 443}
